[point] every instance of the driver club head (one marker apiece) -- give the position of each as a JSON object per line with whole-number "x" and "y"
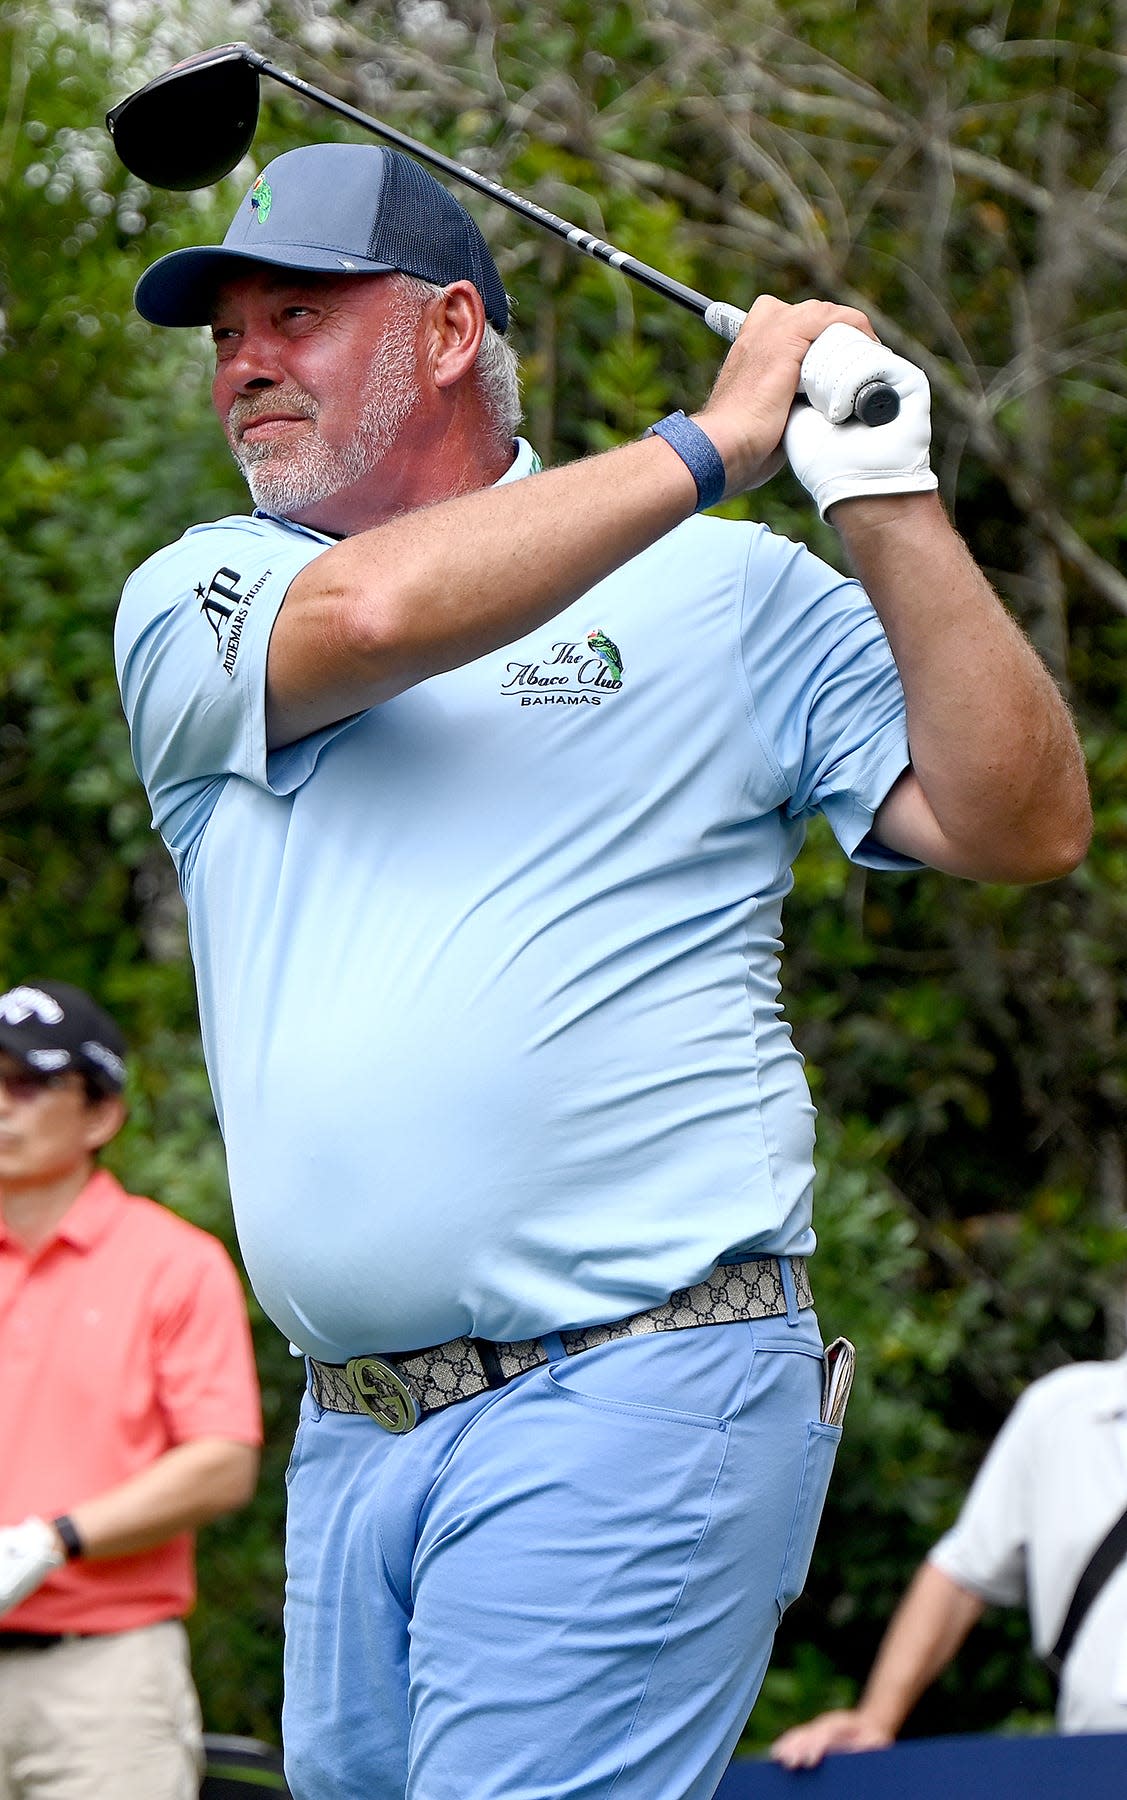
{"x": 190, "y": 126}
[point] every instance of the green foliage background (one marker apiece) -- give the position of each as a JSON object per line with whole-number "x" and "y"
{"x": 959, "y": 169}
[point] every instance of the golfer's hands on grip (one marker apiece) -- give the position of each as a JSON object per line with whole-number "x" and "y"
{"x": 804, "y": 1746}
{"x": 747, "y": 410}
{"x": 756, "y": 422}
{"x": 28, "y": 1554}
{"x": 850, "y": 460}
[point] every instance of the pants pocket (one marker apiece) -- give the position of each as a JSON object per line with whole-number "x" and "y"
{"x": 817, "y": 1466}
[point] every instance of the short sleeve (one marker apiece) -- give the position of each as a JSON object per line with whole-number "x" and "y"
{"x": 825, "y": 693}
{"x": 207, "y": 1384}
{"x": 191, "y": 641}
{"x": 985, "y": 1550}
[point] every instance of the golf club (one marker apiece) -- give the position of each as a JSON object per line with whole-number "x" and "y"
{"x": 190, "y": 126}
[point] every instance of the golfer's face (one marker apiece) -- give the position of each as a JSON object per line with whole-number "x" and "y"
{"x": 317, "y": 382}
{"x": 294, "y": 366}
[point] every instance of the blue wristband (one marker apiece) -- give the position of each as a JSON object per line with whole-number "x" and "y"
{"x": 698, "y": 453}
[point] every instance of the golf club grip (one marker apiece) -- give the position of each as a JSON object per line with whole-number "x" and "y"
{"x": 875, "y": 402}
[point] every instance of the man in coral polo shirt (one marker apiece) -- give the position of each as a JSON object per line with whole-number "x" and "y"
{"x": 129, "y": 1415}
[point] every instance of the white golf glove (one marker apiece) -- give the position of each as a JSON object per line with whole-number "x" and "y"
{"x": 834, "y": 455}
{"x": 28, "y": 1553}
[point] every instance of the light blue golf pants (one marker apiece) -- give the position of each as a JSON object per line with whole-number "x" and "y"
{"x": 564, "y": 1590}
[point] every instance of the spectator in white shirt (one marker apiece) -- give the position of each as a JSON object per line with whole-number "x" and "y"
{"x": 1048, "y": 1493}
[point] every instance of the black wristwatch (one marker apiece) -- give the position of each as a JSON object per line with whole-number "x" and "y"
{"x": 68, "y": 1532}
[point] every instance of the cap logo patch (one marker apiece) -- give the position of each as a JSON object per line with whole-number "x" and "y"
{"x": 101, "y": 1054}
{"x": 22, "y": 1003}
{"x": 261, "y": 199}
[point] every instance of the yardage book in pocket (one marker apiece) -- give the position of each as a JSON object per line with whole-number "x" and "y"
{"x": 838, "y": 1364}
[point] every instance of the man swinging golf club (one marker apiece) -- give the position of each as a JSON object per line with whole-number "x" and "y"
{"x": 483, "y": 785}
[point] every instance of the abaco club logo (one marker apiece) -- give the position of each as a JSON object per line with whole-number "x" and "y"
{"x": 574, "y": 673}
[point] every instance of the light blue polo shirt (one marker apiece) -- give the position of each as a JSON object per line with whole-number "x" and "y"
{"x": 488, "y": 974}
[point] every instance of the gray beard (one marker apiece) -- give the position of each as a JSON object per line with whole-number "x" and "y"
{"x": 294, "y": 477}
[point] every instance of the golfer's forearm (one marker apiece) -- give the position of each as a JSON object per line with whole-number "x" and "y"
{"x": 184, "y": 1488}
{"x": 992, "y": 744}
{"x": 437, "y": 588}
{"x": 470, "y": 574}
{"x": 926, "y": 1630}
{"x": 434, "y": 589}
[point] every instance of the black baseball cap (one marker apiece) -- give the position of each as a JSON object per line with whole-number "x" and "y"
{"x": 335, "y": 209}
{"x": 52, "y": 1027}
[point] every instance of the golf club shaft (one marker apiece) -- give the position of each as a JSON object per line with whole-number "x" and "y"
{"x": 875, "y": 402}
{"x": 138, "y": 122}
{"x": 721, "y": 318}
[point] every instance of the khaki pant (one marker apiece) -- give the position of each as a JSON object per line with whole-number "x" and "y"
{"x": 101, "y": 1718}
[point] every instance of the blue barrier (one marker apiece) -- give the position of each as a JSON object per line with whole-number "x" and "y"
{"x": 241, "y": 1768}
{"x": 973, "y": 1768}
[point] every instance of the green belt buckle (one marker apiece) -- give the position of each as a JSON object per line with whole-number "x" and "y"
{"x": 382, "y": 1394}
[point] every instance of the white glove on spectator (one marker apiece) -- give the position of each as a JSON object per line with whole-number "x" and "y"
{"x": 28, "y": 1553}
{"x": 839, "y": 461}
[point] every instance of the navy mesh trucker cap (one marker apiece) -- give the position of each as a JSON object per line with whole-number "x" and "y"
{"x": 337, "y": 209}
